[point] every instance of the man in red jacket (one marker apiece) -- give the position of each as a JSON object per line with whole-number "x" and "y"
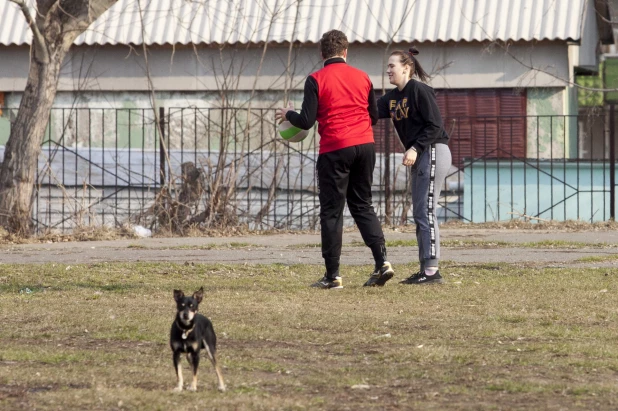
{"x": 342, "y": 100}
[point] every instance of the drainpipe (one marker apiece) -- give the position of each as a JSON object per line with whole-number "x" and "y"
{"x": 570, "y": 100}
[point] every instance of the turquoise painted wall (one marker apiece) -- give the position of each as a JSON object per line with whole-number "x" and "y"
{"x": 550, "y": 190}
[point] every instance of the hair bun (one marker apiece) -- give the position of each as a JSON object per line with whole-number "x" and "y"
{"x": 413, "y": 51}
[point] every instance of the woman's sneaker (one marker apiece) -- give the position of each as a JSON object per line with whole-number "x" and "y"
{"x": 422, "y": 278}
{"x": 327, "y": 283}
{"x": 380, "y": 276}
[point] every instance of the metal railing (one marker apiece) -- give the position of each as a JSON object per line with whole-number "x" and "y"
{"x": 214, "y": 166}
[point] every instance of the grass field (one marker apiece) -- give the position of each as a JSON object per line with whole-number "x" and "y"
{"x": 95, "y": 337}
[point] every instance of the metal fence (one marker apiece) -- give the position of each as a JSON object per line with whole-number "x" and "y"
{"x": 213, "y": 166}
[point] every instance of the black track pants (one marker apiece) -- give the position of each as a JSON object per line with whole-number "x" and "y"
{"x": 347, "y": 174}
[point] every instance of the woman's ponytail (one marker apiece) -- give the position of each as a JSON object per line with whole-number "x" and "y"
{"x": 418, "y": 70}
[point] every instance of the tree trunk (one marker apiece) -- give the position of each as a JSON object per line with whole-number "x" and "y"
{"x": 19, "y": 168}
{"x": 57, "y": 25}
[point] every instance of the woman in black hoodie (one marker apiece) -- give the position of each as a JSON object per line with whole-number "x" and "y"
{"x": 412, "y": 107}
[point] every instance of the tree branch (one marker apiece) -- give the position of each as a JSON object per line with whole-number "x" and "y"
{"x": 504, "y": 45}
{"x": 603, "y": 18}
{"x": 37, "y": 36}
{"x": 531, "y": 67}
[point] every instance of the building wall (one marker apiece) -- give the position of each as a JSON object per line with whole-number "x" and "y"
{"x": 126, "y": 118}
{"x": 120, "y": 68}
{"x": 548, "y": 128}
{"x": 205, "y": 77}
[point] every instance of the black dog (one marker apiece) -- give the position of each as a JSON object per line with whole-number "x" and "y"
{"x": 190, "y": 333}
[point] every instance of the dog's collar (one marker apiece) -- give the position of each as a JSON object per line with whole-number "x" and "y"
{"x": 185, "y": 333}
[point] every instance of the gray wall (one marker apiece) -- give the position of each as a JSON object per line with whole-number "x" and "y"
{"x": 120, "y": 68}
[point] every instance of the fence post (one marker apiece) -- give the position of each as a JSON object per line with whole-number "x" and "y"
{"x": 612, "y": 164}
{"x": 162, "y": 145}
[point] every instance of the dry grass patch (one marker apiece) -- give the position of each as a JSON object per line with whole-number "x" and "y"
{"x": 97, "y": 232}
{"x": 598, "y": 258}
{"x": 496, "y": 336}
{"x": 228, "y": 246}
{"x": 85, "y": 233}
{"x": 521, "y": 224}
{"x": 102, "y": 233}
{"x": 548, "y": 244}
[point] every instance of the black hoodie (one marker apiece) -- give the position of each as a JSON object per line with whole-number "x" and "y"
{"x": 415, "y": 114}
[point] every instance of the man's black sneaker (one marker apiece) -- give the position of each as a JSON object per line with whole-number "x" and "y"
{"x": 327, "y": 283}
{"x": 380, "y": 276}
{"x": 422, "y": 278}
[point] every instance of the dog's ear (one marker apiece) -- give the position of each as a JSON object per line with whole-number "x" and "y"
{"x": 198, "y": 295}
{"x": 178, "y": 294}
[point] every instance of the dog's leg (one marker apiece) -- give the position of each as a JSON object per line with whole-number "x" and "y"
{"x": 194, "y": 359}
{"x": 178, "y": 371}
{"x": 213, "y": 360}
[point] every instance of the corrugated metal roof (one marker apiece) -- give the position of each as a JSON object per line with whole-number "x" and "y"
{"x": 255, "y": 21}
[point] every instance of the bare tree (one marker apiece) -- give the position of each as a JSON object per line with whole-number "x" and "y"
{"x": 208, "y": 198}
{"x": 54, "y": 29}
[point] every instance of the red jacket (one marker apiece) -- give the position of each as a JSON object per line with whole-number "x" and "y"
{"x": 341, "y": 99}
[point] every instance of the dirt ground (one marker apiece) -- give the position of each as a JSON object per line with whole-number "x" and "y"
{"x": 304, "y": 249}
